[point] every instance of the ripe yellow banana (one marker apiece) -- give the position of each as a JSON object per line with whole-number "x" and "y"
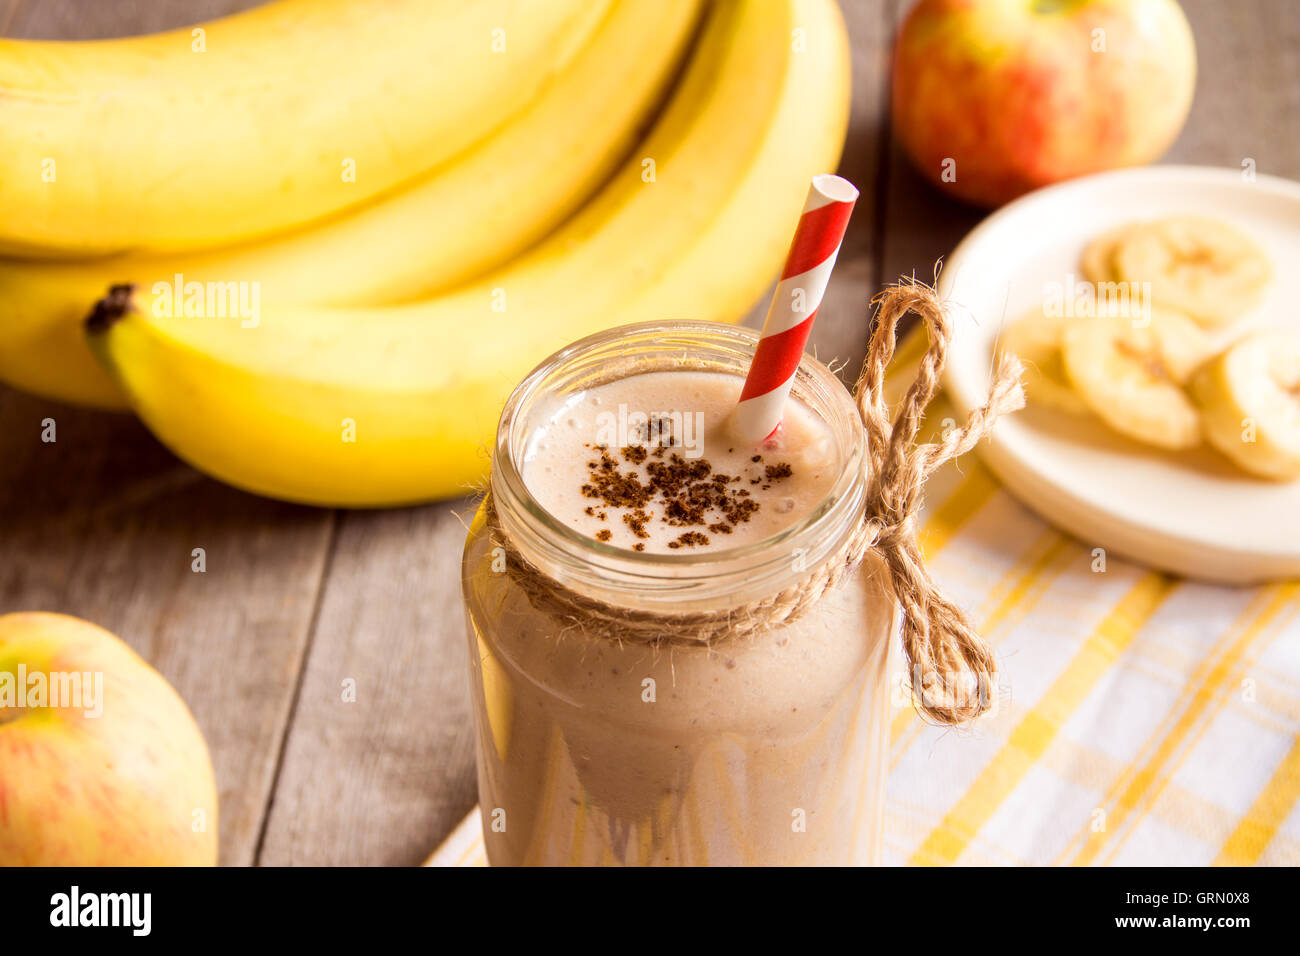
{"x": 1131, "y": 374}
{"x": 367, "y": 407}
{"x": 479, "y": 211}
{"x": 257, "y": 122}
{"x": 1250, "y": 398}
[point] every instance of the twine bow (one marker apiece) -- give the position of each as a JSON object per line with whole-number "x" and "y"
{"x": 952, "y": 670}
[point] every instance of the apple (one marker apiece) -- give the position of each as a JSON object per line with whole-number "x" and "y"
{"x": 993, "y": 98}
{"x": 101, "y": 763}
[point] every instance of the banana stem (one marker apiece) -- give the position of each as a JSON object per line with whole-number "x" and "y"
{"x": 111, "y": 308}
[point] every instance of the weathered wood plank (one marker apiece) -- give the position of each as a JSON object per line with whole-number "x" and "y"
{"x": 381, "y": 780}
{"x": 94, "y": 19}
{"x": 8, "y": 14}
{"x": 1247, "y": 103}
{"x": 103, "y": 523}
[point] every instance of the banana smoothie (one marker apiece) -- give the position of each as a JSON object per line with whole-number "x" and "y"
{"x": 651, "y": 462}
{"x": 597, "y": 745}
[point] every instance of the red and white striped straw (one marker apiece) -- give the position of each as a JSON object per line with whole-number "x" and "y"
{"x": 794, "y": 305}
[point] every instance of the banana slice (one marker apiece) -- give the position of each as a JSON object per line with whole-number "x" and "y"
{"x": 1250, "y": 401}
{"x": 1131, "y": 373}
{"x": 1099, "y": 255}
{"x": 1184, "y": 347}
{"x": 1036, "y": 340}
{"x": 1205, "y": 268}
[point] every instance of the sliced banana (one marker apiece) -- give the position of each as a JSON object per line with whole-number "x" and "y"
{"x": 1205, "y": 268}
{"x": 1131, "y": 372}
{"x": 1184, "y": 347}
{"x": 1099, "y": 255}
{"x": 1250, "y": 401}
{"x": 1036, "y": 340}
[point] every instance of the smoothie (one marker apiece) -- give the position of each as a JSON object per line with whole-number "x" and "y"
{"x": 763, "y": 748}
{"x": 651, "y": 462}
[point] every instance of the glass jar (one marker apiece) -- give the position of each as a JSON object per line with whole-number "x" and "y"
{"x": 762, "y": 749}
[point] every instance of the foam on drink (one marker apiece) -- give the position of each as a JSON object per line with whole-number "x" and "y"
{"x": 652, "y": 462}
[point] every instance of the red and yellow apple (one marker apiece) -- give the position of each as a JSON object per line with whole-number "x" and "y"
{"x": 993, "y": 98}
{"x": 111, "y": 773}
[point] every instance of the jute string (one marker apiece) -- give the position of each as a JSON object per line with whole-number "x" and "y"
{"x": 952, "y": 670}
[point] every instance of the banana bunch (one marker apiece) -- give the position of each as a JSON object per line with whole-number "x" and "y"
{"x": 1154, "y": 374}
{"x": 251, "y": 124}
{"x": 495, "y": 200}
{"x": 656, "y": 172}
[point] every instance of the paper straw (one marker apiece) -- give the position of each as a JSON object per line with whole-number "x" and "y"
{"x": 794, "y": 305}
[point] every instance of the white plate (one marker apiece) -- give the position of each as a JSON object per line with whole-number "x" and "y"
{"x": 1191, "y": 512}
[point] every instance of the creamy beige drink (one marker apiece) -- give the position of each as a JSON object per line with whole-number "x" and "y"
{"x": 628, "y": 491}
{"x": 669, "y": 437}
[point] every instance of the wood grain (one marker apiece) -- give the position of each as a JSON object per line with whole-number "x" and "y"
{"x": 103, "y": 523}
{"x": 383, "y": 779}
{"x": 296, "y": 601}
{"x": 8, "y": 15}
{"x": 97, "y": 19}
{"x": 1247, "y": 103}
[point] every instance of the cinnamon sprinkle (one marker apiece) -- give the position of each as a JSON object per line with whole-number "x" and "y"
{"x": 686, "y": 493}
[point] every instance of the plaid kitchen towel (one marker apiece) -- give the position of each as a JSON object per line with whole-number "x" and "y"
{"x": 1143, "y": 719}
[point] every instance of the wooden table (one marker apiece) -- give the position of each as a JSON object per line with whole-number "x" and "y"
{"x": 297, "y": 601}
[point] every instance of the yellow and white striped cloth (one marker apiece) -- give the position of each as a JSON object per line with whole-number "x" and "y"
{"x": 1143, "y": 719}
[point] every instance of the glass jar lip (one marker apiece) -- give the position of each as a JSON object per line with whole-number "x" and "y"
{"x": 509, "y": 488}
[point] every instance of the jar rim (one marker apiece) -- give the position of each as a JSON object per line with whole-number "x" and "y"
{"x": 674, "y": 576}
